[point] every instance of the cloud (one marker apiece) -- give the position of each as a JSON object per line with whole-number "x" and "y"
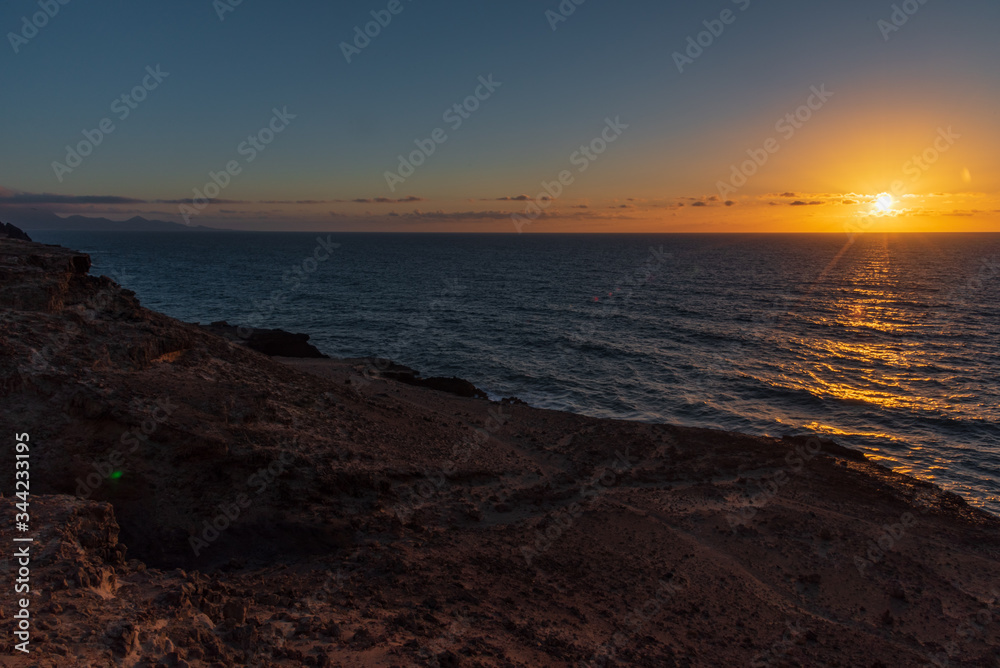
{"x": 357, "y": 200}
{"x": 700, "y": 203}
{"x": 516, "y": 198}
{"x": 417, "y": 216}
{"x": 787, "y": 195}
{"x": 799, "y": 202}
{"x": 87, "y": 203}
{"x": 191, "y": 201}
{"x": 387, "y": 200}
{"x": 297, "y": 201}
{"x": 456, "y": 215}
{"x": 730, "y": 202}
{"x": 965, "y": 212}
{"x": 48, "y": 198}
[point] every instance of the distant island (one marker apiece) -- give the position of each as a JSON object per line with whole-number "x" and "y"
{"x": 41, "y": 220}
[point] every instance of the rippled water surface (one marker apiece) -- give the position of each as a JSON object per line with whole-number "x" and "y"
{"x": 888, "y": 344}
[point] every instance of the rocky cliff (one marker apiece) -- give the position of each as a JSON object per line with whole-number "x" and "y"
{"x": 197, "y": 503}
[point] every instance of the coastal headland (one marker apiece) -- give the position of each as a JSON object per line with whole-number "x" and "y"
{"x": 196, "y": 502}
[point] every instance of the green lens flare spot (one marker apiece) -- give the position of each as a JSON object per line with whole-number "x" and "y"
{"x": 116, "y": 475}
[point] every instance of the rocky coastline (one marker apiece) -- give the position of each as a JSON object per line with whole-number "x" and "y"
{"x": 196, "y": 500}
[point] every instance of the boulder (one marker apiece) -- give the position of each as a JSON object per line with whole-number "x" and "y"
{"x": 453, "y": 385}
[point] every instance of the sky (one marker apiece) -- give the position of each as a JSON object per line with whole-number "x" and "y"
{"x": 518, "y": 116}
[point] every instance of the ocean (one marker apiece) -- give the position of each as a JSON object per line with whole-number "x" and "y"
{"x": 887, "y": 344}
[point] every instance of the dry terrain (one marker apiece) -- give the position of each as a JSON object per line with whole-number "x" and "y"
{"x": 197, "y": 503}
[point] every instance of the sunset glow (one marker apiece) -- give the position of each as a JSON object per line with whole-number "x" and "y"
{"x": 735, "y": 136}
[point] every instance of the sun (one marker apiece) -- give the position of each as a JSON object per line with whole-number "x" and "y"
{"x": 883, "y": 203}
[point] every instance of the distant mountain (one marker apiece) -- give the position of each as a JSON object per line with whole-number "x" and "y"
{"x": 37, "y": 220}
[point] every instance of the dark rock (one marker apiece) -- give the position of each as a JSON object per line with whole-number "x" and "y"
{"x": 271, "y": 342}
{"x": 10, "y": 232}
{"x": 453, "y": 385}
{"x": 448, "y": 659}
{"x": 125, "y": 639}
{"x": 333, "y": 630}
{"x": 278, "y": 343}
{"x": 235, "y": 610}
{"x": 828, "y": 446}
{"x": 457, "y": 386}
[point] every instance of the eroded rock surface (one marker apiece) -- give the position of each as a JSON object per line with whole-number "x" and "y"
{"x": 196, "y": 503}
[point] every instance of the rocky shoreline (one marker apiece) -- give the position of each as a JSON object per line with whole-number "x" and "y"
{"x": 195, "y": 502}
